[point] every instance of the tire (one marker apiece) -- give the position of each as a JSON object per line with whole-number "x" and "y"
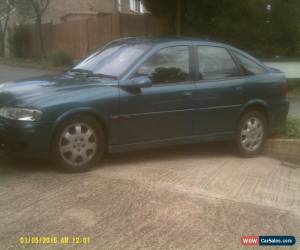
{"x": 251, "y": 134}
{"x": 78, "y": 144}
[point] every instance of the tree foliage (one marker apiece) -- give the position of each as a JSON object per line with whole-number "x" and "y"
{"x": 34, "y": 9}
{"x": 249, "y": 24}
{"x": 168, "y": 8}
{"x": 6, "y": 8}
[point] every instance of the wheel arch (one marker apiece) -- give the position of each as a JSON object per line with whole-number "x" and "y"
{"x": 82, "y": 111}
{"x": 257, "y": 105}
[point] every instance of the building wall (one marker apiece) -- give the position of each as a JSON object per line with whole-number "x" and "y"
{"x": 59, "y": 8}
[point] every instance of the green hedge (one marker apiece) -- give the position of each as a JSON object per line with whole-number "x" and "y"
{"x": 293, "y": 128}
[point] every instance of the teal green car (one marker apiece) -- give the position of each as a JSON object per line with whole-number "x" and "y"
{"x": 138, "y": 93}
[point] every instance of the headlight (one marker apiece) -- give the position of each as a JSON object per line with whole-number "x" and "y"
{"x": 21, "y": 114}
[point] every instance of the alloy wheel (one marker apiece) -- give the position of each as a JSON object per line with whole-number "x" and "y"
{"x": 252, "y": 134}
{"x": 78, "y": 144}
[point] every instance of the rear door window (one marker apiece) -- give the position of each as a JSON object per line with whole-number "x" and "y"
{"x": 215, "y": 63}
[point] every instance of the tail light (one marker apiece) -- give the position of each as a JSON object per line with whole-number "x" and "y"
{"x": 285, "y": 88}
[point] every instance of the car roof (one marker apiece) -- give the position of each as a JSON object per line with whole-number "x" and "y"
{"x": 162, "y": 40}
{"x": 156, "y": 41}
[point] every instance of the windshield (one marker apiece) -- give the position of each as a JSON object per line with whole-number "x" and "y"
{"x": 112, "y": 61}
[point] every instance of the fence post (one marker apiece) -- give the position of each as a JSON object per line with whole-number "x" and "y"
{"x": 115, "y": 26}
{"x": 87, "y": 38}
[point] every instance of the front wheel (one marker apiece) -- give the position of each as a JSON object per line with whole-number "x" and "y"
{"x": 78, "y": 144}
{"x": 251, "y": 134}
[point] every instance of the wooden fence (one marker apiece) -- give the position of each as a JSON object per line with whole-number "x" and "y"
{"x": 80, "y": 37}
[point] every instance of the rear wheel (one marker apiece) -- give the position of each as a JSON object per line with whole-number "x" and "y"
{"x": 251, "y": 134}
{"x": 78, "y": 144}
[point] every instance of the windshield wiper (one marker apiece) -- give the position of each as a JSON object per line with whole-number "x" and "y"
{"x": 103, "y": 76}
{"x": 90, "y": 73}
{"x": 82, "y": 71}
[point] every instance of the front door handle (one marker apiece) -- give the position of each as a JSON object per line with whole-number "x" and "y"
{"x": 239, "y": 90}
{"x": 186, "y": 94}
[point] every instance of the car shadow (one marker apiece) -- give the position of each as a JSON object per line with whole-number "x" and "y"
{"x": 24, "y": 165}
{"x": 212, "y": 149}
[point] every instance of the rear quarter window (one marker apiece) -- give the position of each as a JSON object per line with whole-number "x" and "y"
{"x": 248, "y": 66}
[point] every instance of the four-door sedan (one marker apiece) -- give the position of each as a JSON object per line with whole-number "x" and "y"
{"x": 138, "y": 93}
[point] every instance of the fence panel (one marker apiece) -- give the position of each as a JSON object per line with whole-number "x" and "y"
{"x": 80, "y": 37}
{"x": 132, "y": 25}
{"x": 71, "y": 37}
{"x": 99, "y": 32}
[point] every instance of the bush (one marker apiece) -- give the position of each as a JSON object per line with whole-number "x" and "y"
{"x": 294, "y": 87}
{"x": 61, "y": 58}
{"x": 293, "y": 128}
{"x": 294, "y": 83}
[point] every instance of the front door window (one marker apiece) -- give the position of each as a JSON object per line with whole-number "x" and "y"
{"x": 169, "y": 65}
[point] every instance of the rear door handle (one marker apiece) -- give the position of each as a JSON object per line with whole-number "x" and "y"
{"x": 239, "y": 90}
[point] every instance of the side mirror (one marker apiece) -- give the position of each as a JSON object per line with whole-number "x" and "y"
{"x": 138, "y": 82}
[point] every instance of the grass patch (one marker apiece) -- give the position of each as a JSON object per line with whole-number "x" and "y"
{"x": 295, "y": 92}
{"x": 292, "y": 130}
{"x": 294, "y": 87}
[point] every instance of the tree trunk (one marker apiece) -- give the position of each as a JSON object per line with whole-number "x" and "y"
{"x": 3, "y": 31}
{"x": 40, "y": 35}
{"x": 178, "y": 20}
{"x": 1, "y": 41}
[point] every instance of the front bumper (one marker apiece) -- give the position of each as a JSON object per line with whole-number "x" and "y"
{"x": 23, "y": 138}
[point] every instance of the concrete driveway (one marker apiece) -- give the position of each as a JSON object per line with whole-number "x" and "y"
{"x": 191, "y": 197}
{"x": 187, "y": 197}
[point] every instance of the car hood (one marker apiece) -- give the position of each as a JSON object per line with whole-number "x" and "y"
{"x": 37, "y": 92}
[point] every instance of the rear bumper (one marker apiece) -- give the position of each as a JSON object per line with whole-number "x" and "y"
{"x": 279, "y": 116}
{"x": 25, "y": 139}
